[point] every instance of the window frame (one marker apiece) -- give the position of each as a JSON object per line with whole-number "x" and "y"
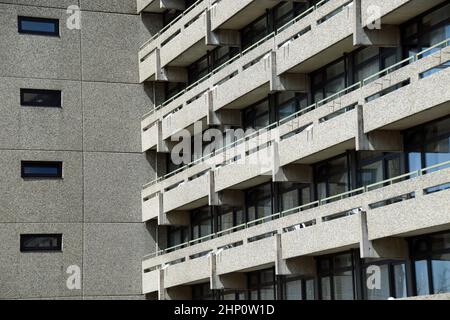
{"x": 21, "y": 30}
{"x": 58, "y": 248}
{"x": 58, "y": 164}
{"x": 24, "y": 91}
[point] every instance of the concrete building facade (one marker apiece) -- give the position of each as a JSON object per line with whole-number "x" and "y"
{"x": 94, "y": 205}
{"x": 340, "y": 190}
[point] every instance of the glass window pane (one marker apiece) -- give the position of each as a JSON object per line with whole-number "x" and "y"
{"x": 437, "y": 152}
{"x": 377, "y": 290}
{"x": 289, "y": 200}
{"x": 422, "y": 283}
{"x": 334, "y": 86}
{"x": 336, "y": 69}
{"x": 38, "y": 169}
{"x": 253, "y": 295}
{"x": 400, "y": 281}
{"x": 306, "y": 196}
{"x": 393, "y": 168}
{"x": 440, "y": 265}
{"x": 414, "y": 161}
{"x": 226, "y": 220}
{"x": 367, "y": 70}
{"x": 42, "y": 26}
{"x": 267, "y": 293}
{"x": 343, "y": 286}
{"x": 322, "y": 190}
{"x": 343, "y": 260}
{"x": 372, "y": 173}
{"x": 338, "y": 183}
{"x": 309, "y": 290}
{"x": 40, "y": 242}
{"x": 325, "y": 288}
{"x": 229, "y": 296}
{"x": 251, "y": 214}
{"x": 293, "y": 290}
{"x": 40, "y": 98}
{"x": 265, "y": 208}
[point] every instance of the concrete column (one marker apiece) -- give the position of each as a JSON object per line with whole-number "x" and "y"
{"x": 163, "y": 146}
{"x": 213, "y": 196}
{"x": 161, "y": 290}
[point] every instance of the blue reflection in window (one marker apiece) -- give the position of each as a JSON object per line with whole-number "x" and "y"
{"x": 40, "y": 26}
{"x": 41, "y": 169}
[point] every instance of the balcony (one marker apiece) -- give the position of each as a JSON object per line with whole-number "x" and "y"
{"x": 188, "y": 272}
{"x": 178, "y": 44}
{"x": 245, "y": 257}
{"x": 331, "y": 26}
{"x": 248, "y": 84}
{"x": 416, "y": 206}
{"x": 150, "y": 281}
{"x": 277, "y": 62}
{"x": 324, "y": 226}
{"x": 238, "y": 83}
{"x": 317, "y": 132}
{"x": 189, "y": 194}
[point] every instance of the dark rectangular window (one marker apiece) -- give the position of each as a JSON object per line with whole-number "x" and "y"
{"x": 40, "y": 98}
{"x": 41, "y": 169}
{"x": 40, "y": 242}
{"x": 39, "y": 26}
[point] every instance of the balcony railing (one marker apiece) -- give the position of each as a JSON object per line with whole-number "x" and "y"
{"x": 308, "y": 109}
{"x": 306, "y": 207}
